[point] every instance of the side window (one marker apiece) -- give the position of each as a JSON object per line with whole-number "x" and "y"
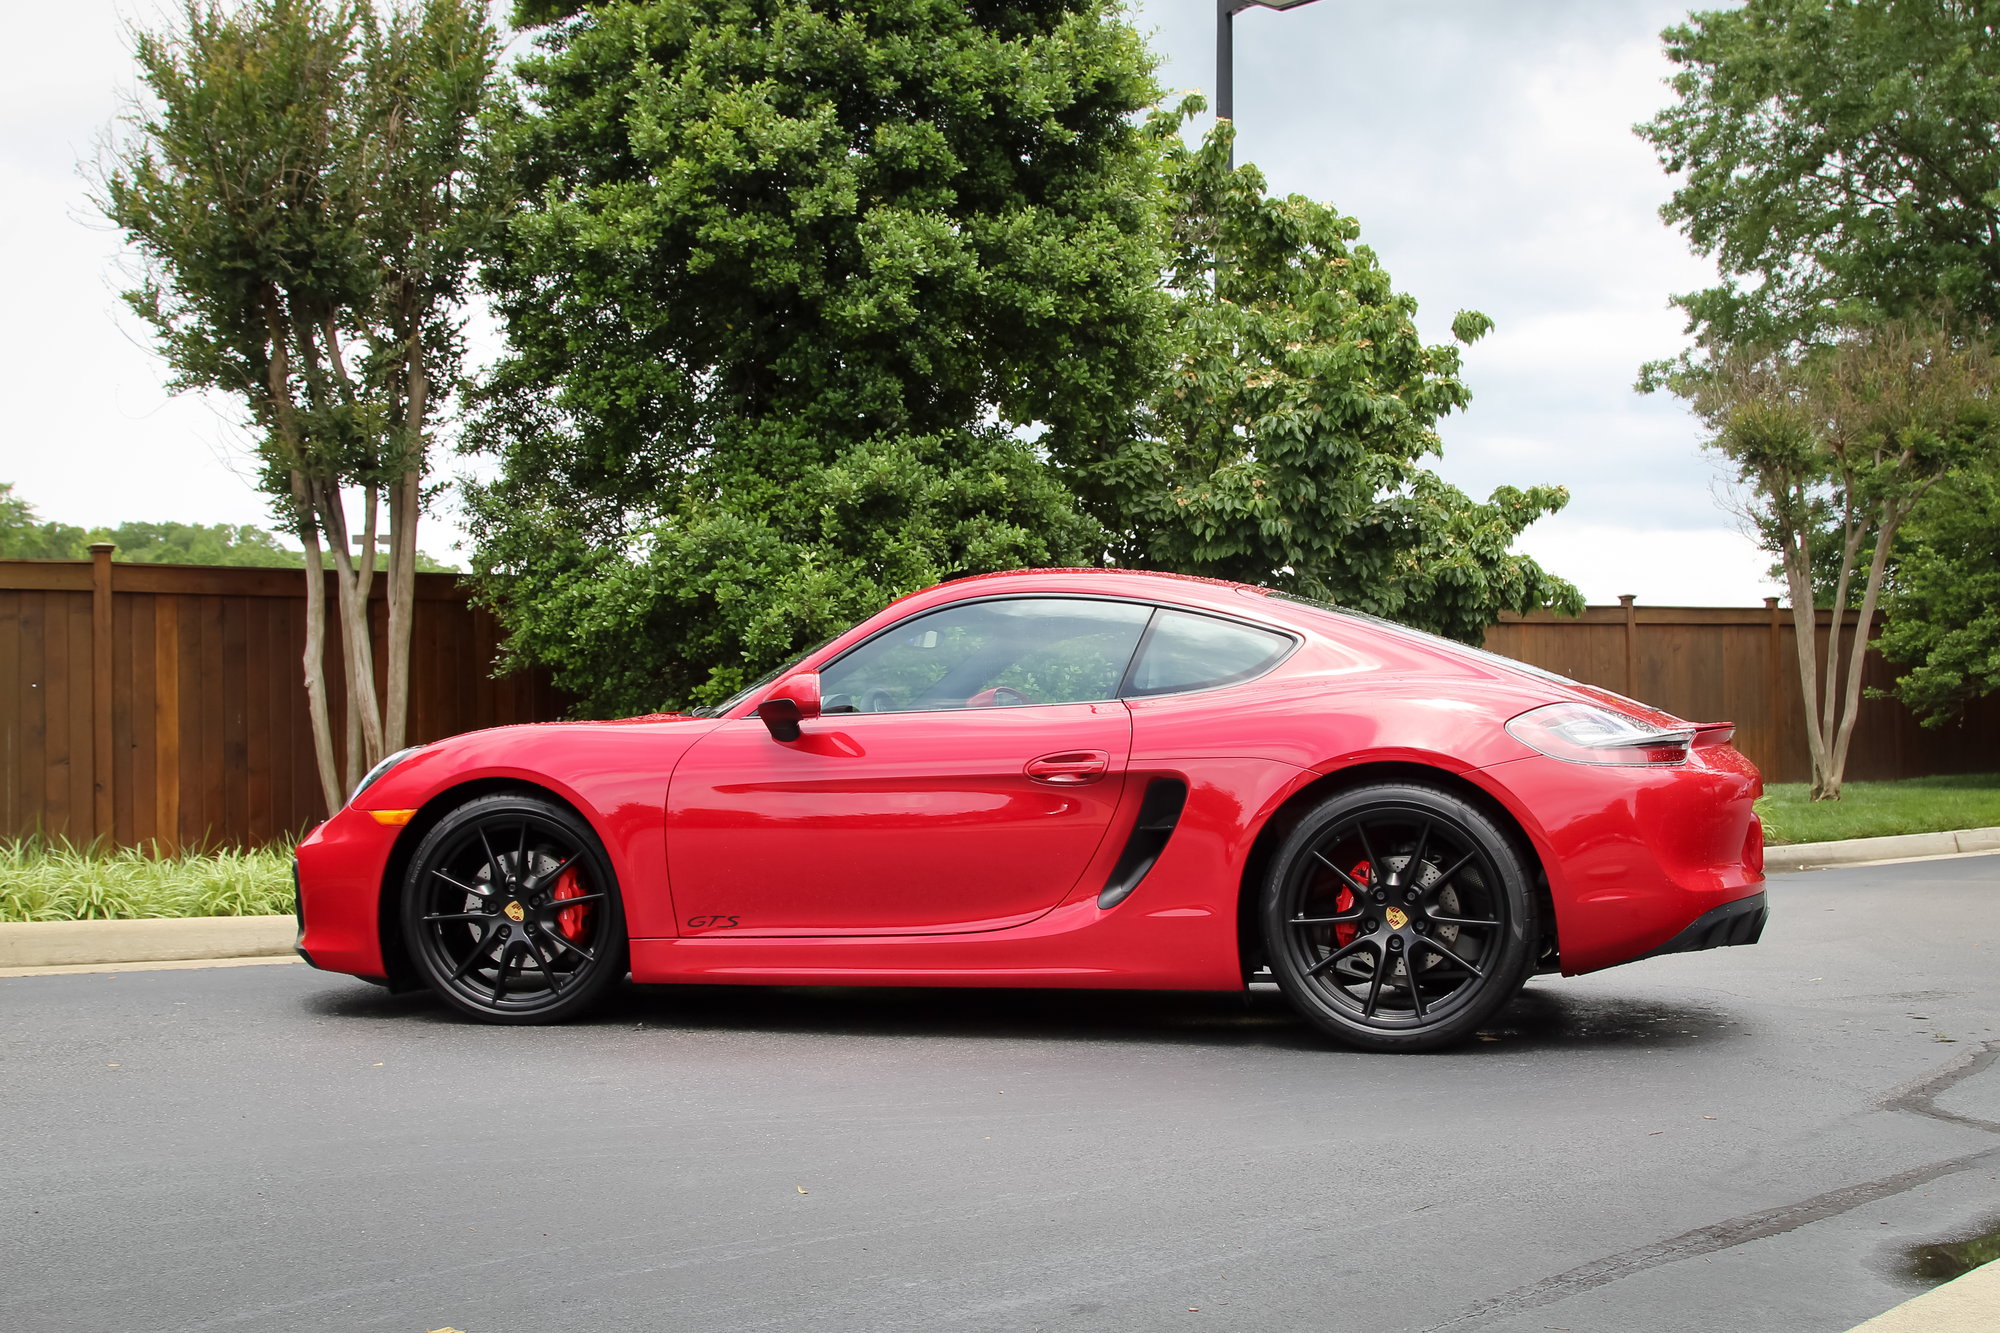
{"x": 1191, "y": 652}
{"x": 1029, "y": 650}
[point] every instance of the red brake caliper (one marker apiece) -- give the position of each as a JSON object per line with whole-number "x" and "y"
{"x": 570, "y": 919}
{"x": 1345, "y": 932}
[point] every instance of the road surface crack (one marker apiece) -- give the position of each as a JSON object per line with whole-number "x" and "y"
{"x": 1918, "y": 1099}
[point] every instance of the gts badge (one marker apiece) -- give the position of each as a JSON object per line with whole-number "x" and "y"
{"x": 711, "y": 922}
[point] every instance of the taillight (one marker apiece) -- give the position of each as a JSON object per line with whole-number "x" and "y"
{"x": 1587, "y": 734}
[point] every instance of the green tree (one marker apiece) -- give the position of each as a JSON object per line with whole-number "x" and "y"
{"x": 791, "y": 284}
{"x": 1942, "y": 610}
{"x": 26, "y": 535}
{"x": 1835, "y": 447}
{"x": 1840, "y": 159}
{"x": 299, "y": 189}
{"x": 1285, "y": 445}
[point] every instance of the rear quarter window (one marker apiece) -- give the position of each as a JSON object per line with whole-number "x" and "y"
{"x": 1185, "y": 651}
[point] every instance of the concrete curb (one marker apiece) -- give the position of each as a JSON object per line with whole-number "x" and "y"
{"x": 167, "y": 939}
{"x": 1852, "y": 851}
{"x": 1967, "y": 1304}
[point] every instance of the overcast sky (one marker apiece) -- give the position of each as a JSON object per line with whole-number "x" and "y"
{"x": 1484, "y": 146}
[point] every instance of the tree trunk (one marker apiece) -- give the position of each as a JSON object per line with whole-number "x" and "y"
{"x": 1871, "y": 592}
{"x": 362, "y": 701}
{"x": 405, "y": 499}
{"x": 315, "y": 654}
{"x": 1805, "y": 639}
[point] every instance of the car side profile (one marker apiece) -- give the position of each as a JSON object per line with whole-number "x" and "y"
{"x": 1062, "y": 778}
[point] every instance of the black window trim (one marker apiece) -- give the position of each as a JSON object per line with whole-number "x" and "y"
{"x": 1124, "y": 677}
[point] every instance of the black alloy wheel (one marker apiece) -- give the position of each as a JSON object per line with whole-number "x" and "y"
{"x": 1399, "y": 918}
{"x": 511, "y": 912}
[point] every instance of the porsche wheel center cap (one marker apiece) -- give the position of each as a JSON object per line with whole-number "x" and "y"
{"x": 515, "y": 912}
{"x": 1398, "y": 918}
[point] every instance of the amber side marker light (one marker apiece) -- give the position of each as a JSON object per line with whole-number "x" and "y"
{"x": 393, "y": 818}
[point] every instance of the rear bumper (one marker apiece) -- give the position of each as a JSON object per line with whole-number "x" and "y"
{"x": 1740, "y": 922}
{"x": 1638, "y": 859}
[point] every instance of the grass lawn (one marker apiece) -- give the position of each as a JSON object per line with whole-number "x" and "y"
{"x": 42, "y": 881}
{"x": 1878, "y": 809}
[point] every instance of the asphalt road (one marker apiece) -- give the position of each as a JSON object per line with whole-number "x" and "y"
{"x": 1740, "y": 1140}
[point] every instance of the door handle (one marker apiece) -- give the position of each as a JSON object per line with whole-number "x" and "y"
{"x": 1070, "y": 768}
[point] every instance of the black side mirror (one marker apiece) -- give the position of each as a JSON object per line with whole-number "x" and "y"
{"x": 782, "y": 716}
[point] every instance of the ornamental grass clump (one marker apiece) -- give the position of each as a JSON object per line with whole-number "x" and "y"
{"x": 54, "y": 881}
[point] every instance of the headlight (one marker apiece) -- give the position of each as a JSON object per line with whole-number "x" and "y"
{"x": 1587, "y": 734}
{"x": 388, "y": 762}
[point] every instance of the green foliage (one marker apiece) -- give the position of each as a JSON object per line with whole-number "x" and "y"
{"x": 1943, "y": 608}
{"x": 54, "y": 881}
{"x": 25, "y": 535}
{"x": 789, "y": 280}
{"x": 1285, "y": 445}
{"x": 1839, "y": 161}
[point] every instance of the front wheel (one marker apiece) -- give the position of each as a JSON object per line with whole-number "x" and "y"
{"x": 1399, "y": 918}
{"x": 511, "y": 912}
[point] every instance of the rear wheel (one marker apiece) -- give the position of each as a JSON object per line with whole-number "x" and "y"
{"x": 511, "y": 912}
{"x": 1399, "y": 918}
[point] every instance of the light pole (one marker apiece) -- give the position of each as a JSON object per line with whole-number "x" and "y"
{"x": 1225, "y": 54}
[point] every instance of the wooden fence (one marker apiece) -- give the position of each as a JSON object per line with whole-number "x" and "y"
{"x": 161, "y": 705}
{"x": 1735, "y": 664}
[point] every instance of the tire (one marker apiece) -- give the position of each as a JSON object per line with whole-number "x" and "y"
{"x": 1345, "y": 916}
{"x": 511, "y": 912}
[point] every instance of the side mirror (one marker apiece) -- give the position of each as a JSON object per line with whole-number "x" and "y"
{"x": 792, "y": 700}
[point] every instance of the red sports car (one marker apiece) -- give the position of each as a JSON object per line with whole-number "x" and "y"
{"x": 1062, "y": 778}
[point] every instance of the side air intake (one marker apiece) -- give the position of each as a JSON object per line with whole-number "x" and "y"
{"x": 1159, "y": 812}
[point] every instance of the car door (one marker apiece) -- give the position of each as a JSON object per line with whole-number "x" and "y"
{"x": 961, "y": 778}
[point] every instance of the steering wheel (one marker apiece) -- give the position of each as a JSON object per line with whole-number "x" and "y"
{"x": 878, "y": 700}
{"x": 1000, "y": 696}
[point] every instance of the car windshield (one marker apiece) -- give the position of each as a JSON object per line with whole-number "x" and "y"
{"x": 718, "y": 710}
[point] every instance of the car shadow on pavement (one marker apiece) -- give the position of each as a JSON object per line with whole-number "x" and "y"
{"x": 1544, "y": 1016}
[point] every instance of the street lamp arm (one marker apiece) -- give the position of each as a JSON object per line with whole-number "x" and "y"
{"x": 1225, "y": 51}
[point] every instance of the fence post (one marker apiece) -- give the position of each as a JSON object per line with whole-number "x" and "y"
{"x": 101, "y": 772}
{"x": 1631, "y": 645}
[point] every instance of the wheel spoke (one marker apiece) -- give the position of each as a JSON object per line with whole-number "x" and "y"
{"x": 1437, "y": 920}
{"x": 492, "y": 862}
{"x": 1368, "y": 850}
{"x": 459, "y": 916}
{"x": 474, "y": 890}
{"x": 1410, "y": 980}
{"x": 587, "y": 955}
{"x": 1437, "y": 948}
{"x": 1340, "y": 953}
{"x": 500, "y": 975}
{"x": 477, "y": 956}
{"x": 557, "y": 904}
{"x": 542, "y": 964}
{"x": 1359, "y": 890}
{"x": 1382, "y": 966}
{"x": 1457, "y": 866}
{"x": 1416, "y": 865}
{"x": 1354, "y": 913}
{"x": 550, "y": 876}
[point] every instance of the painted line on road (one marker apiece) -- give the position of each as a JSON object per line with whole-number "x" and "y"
{"x": 164, "y": 965}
